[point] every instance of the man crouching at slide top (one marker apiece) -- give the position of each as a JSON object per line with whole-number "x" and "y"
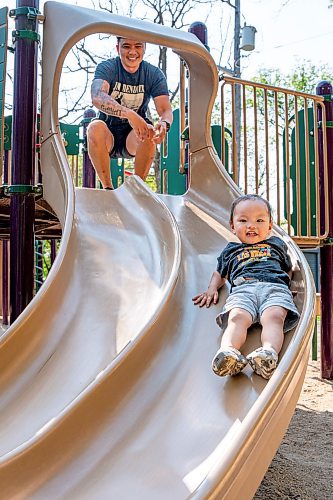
{"x": 121, "y": 90}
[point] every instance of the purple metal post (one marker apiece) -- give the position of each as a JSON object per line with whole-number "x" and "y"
{"x": 5, "y": 262}
{"x": 53, "y": 250}
{"x": 89, "y": 174}
{"x": 22, "y": 210}
{"x": 199, "y": 29}
{"x": 5, "y": 304}
{"x": 324, "y": 88}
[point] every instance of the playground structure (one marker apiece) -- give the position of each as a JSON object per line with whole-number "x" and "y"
{"x": 106, "y": 382}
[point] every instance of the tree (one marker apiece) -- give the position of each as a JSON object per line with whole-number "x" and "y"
{"x": 303, "y": 78}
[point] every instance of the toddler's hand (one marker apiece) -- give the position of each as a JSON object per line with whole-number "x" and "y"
{"x": 206, "y": 298}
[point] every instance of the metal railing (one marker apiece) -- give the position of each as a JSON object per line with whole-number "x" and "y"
{"x": 274, "y": 152}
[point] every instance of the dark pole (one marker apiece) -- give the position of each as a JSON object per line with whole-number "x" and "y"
{"x": 238, "y": 99}
{"x": 89, "y": 174}
{"x": 5, "y": 283}
{"x": 22, "y": 210}
{"x": 324, "y": 89}
{"x": 53, "y": 250}
{"x": 199, "y": 29}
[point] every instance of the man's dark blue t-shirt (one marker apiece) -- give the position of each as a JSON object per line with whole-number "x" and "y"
{"x": 266, "y": 261}
{"x": 132, "y": 90}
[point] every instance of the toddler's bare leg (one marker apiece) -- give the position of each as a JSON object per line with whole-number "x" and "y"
{"x": 272, "y": 320}
{"x": 235, "y": 334}
{"x": 229, "y": 360}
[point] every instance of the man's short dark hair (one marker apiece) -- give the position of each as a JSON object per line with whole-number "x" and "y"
{"x": 123, "y": 38}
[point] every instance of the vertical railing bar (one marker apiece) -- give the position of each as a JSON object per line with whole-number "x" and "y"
{"x": 245, "y": 140}
{"x": 297, "y": 170}
{"x": 234, "y": 142}
{"x": 70, "y": 158}
{"x": 70, "y": 161}
{"x": 307, "y": 170}
{"x": 266, "y": 144}
{"x": 277, "y": 150}
{"x": 256, "y": 159}
{"x": 287, "y": 160}
{"x": 316, "y": 160}
{"x": 223, "y": 158}
{"x": 76, "y": 163}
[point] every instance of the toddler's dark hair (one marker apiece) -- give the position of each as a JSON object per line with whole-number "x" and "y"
{"x": 254, "y": 197}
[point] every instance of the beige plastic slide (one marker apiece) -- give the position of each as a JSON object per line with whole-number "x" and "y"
{"x": 106, "y": 385}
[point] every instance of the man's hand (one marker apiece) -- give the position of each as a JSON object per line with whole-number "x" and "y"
{"x": 206, "y": 298}
{"x": 160, "y": 131}
{"x": 142, "y": 129}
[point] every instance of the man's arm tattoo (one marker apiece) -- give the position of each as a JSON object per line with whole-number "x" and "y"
{"x": 103, "y": 101}
{"x": 110, "y": 111}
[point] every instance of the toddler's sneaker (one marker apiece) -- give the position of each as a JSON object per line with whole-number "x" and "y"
{"x": 228, "y": 361}
{"x": 263, "y": 362}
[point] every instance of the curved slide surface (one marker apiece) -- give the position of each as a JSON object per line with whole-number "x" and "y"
{"x": 106, "y": 386}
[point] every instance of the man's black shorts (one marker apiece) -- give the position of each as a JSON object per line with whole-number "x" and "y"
{"x": 120, "y": 133}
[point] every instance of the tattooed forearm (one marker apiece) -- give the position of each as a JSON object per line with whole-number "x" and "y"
{"x": 103, "y": 101}
{"x": 111, "y": 111}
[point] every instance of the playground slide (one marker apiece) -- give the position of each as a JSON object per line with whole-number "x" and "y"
{"x": 106, "y": 386}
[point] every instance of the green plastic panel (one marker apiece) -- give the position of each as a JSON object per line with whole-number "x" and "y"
{"x": 117, "y": 172}
{"x": 217, "y": 141}
{"x": 71, "y": 137}
{"x": 8, "y": 133}
{"x": 3, "y": 15}
{"x": 172, "y": 182}
{"x": 70, "y": 134}
{"x": 302, "y": 178}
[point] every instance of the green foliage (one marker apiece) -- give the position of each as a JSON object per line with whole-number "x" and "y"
{"x": 304, "y": 77}
{"x": 151, "y": 181}
{"x": 43, "y": 261}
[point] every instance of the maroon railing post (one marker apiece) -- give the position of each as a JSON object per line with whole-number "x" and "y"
{"x": 89, "y": 174}
{"x": 22, "y": 210}
{"x": 324, "y": 89}
{"x": 53, "y": 250}
{"x": 199, "y": 29}
{"x": 5, "y": 261}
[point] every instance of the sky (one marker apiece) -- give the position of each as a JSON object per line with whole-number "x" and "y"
{"x": 300, "y": 30}
{"x": 287, "y": 32}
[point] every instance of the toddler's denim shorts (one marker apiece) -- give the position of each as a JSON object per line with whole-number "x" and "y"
{"x": 255, "y": 298}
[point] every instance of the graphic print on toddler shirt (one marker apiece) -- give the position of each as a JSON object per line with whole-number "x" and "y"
{"x": 254, "y": 253}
